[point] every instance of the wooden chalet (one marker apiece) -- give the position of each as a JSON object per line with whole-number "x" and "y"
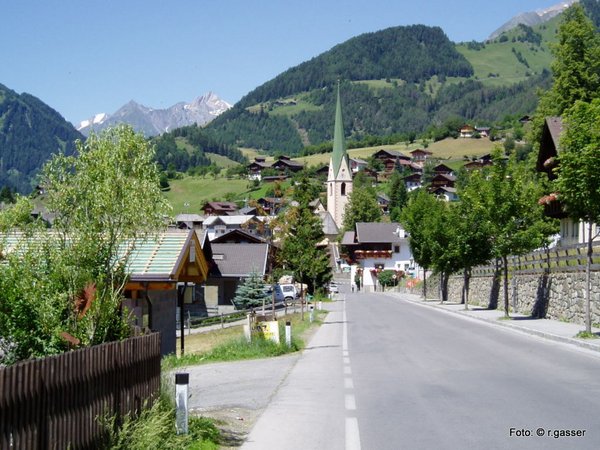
{"x": 163, "y": 271}
{"x": 466, "y": 131}
{"x": 446, "y": 193}
{"x": 547, "y": 163}
{"x": 444, "y": 180}
{"x": 384, "y": 154}
{"x": 256, "y": 167}
{"x": 420, "y": 155}
{"x": 412, "y": 181}
{"x": 285, "y": 163}
{"x": 219, "y": 208}
{"x": 443, "y": 169}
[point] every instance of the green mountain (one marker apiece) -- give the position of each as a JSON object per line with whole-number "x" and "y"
{"x": 30, "y": 131}
{"x": 396, "y": 82}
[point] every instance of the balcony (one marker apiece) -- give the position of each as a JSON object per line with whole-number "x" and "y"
{"x": 379, "y": 254}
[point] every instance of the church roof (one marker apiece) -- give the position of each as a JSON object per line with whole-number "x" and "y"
{"x": 339, "y": 142}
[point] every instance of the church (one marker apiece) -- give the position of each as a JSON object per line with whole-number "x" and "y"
{"x": 339, "y": 178}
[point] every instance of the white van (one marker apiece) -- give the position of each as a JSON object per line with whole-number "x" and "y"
{"x": 283, "y": 292}
{"x": 289, "y": 292}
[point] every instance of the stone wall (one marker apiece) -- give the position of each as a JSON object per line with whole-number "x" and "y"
{"x": 555, "y": 295}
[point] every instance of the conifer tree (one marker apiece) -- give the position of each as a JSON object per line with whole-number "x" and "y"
{"x": 251, "y": 292}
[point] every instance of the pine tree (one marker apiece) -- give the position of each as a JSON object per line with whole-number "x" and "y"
{"x": 251, "y": 292}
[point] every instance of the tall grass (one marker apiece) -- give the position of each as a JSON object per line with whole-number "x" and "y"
{"x": 154, "y": 428}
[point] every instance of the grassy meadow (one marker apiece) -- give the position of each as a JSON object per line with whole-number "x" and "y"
{"x": 189, "y": 193}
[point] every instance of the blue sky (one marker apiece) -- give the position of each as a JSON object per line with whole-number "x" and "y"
{"x": 83, "y": 57}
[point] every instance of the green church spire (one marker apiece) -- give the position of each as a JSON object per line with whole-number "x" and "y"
{"x": 339, "y": 143}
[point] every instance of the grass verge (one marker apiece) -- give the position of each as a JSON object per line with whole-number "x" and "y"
{"x": 154, "y": 429}
{"x": 230, "y": 345}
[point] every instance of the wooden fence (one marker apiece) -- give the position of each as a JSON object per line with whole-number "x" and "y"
{"x": 571, "y": 258}
{"x": 56, "y": 402}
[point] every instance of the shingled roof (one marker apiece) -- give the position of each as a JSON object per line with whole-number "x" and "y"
{"x": 239, "y": 260}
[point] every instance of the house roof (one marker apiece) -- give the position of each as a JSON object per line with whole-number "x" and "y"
{"x": 555, "y": 127}
{"x": 238, "y": 219}
{"x": 239, "y": 260}
{"x": 442, "y": 168}
{"x": 449, "y": 190}
{"x": 162, "y": 257}
{"x": 549, "y": 145}
{"x": 288, "y": 163}
{"x": 444, "y": 177}
{"x": 248, "y": 211}
{"x": 220, "y": 206}
{"x": 377, "y": 232}
{"x": 237, "y": 236}
{"x": 420, "y": 151}
{"x": 171, "y": 256}
{"x": 329, "y": 225}
{"x": 348, "y": 238}
{"x": 413, "y": 177}
{"x": 392, "y": 154}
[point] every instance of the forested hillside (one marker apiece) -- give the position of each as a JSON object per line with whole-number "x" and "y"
{"x": 186, "y": 147}
{"x": 30, "y": 131}
{"x": 398, "y": 81}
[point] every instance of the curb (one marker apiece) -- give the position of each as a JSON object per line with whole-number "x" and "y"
{"x": 542, "y": 334}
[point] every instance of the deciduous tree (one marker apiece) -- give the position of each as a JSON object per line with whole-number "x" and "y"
{"x": 578, "y": 181}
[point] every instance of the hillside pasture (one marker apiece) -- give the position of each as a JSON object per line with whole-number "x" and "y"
{"x": 447, "y": 149}
{"x": 187, "y": 195}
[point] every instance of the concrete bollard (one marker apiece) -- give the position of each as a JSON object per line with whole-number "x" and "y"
{"x": 288, "y": 334}
{"x": 182, "y": 381}
{"x": 312, "y": 313}
{"x": 248, "y": 329}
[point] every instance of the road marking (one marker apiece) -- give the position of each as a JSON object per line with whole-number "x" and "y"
{"x": 348, "y": 383}
{"x": 344, "y": 332}
{"x": 347, "y": 370}
{"x": 346, "y": 360}
{"x": 350, "y": 402}
{"x": 352, "y": 434}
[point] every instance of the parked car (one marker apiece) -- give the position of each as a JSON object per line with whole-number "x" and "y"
{"x": 289, "y": 292}
{"x": 284, "y": 293}
{"x": 333, "y": 288}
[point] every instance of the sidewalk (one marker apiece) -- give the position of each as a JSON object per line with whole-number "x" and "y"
{"x": 549, "y": 329}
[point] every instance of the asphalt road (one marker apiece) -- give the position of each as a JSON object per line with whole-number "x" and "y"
{"x": 386, "y": 373}
{"x": 423, "y": 378}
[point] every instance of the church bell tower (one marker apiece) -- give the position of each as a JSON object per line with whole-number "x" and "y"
{"x": 339, "y": 179}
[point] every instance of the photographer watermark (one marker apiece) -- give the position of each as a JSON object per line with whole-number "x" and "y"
{"x": 555, "y": 433}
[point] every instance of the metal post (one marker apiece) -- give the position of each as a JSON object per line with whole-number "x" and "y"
{"x": 288, "y": 334}
{"x": 182, "y": 381}
{"x": 312, "y": 313}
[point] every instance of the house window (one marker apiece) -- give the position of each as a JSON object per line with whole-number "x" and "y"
{"x": 396, "y": 249}
{"x": 343, "y": 188}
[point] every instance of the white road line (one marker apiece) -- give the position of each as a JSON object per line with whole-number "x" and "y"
{"x": 344, "y": 331}
{"x": 350, "y": 402}
{"x": 352, "y": 434}
{"x": 347, "y": 370}
{"x": 346, "y": 360}
{"x": 348, "y": 383}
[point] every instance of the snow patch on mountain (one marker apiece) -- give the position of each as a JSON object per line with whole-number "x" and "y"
{"x": 533, "y": 17}
{"x": 152, "y": 122}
